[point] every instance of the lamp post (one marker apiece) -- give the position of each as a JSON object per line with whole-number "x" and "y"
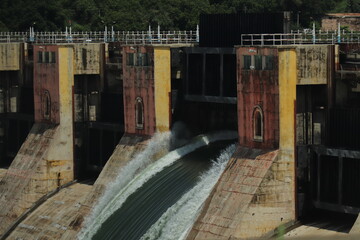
{"x": 32, "y": 33}
{"x": 298, "y": 19}
{"x": 105, "y": 31}
{"x": 112, "y": 32}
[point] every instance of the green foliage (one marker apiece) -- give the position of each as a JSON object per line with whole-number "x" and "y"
{"x": 280, "y": 232}
{"x": 340, "y": 7}
{"x": 93, "y": 15}
{"x": 344, "y": 28}
{"x": 353, "y": 5}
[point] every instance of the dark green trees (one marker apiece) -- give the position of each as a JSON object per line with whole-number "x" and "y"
{"x": 93, "y": 15}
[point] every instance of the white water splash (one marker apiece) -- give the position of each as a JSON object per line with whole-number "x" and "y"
{"x": 118, "y": 192}
{"x": 158, "y": 143}
{"x": 177, "y": 221}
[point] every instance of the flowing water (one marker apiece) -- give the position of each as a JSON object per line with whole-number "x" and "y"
{"x": 163, "y": 200}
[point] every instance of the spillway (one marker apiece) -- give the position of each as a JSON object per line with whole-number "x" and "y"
{"x": 159, "y": 198}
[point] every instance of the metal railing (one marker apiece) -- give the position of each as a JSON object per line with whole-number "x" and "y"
{"x": 298, "y": 37}
{"x": 177, "y": 37}
{"x": 124, "y": 37}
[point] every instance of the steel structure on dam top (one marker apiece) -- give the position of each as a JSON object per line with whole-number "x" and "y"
{"x": 123, "y": 37}
{"x": 301, "y": 37}
{"x": 178, "y": 37}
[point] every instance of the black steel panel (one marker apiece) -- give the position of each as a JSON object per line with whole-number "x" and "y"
{"x": 344, "y": 128}
{"x": 225, "y": 30}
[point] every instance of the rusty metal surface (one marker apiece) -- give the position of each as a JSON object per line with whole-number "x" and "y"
{"x": 139, "y": 82}
{"x": 258, "y": 88}
{"x": 46, "y": 78}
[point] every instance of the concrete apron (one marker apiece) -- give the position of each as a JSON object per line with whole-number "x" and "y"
{"x": 356, "y": 227}
{"x": 2, "y": 173}
{"x": 74, "y": 204}
{"x": 33, "y": 173}
{"x": 252, "y": 198}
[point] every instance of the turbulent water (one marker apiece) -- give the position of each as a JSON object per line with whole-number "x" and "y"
{"x": 155, "y": 197}
{"x": 176, "y": 222}
{"x": 158, "y": 143}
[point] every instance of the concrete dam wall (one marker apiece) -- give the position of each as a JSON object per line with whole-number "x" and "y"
{"x": 94, "y": 108}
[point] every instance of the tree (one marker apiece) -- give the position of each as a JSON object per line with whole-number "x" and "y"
{"x": 93, "y": 15}
{"x": 353, "y": 6}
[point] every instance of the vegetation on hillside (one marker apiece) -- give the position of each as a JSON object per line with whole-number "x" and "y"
{"x": 86, "y": 15}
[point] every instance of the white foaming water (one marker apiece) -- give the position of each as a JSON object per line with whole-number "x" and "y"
{"x": 177, "y": 221}
{"x": 158, "y": 143}
{"x": 130, "y": 179}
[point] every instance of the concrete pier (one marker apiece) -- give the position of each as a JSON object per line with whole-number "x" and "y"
{"x": 96, "y": 105}
{"x": 45, "y": 160}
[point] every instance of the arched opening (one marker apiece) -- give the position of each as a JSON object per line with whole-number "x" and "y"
{"x": 46, "y": 105}
{"x": 258, "y": 124}
{"x": 139, "y": 113}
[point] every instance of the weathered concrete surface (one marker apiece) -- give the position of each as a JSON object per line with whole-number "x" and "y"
{"x": 356, "y": 227}
{"x": 2, "y": 173}
{"x": 312, "y": 64}
{"x": 258, "y": 89}
{"x": 249, "y": 200}
{"x": 138, "y": 82}
{"x": 46, "y": 81}
{"x": 162, "y": 82}
{"x": 87, "y": 57}
{"x": 313, "y": 232}
{"x": 76, "y": 202}
{"x": 45, "y": 160}
{"x": 10, "y": 56}
{"x": 52, "y": 219}
{"x": 256, "y": 192}
{"x": 147, "y": 82}
{"x": 27, "y": 178}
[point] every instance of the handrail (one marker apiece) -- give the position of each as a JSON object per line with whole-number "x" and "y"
{"x": 125, "y": 37}
{"x": 300, "y": 38}
{"x": 178, "y": 37}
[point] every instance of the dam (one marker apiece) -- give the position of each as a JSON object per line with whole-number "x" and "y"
{"x": 84, "y": 114}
